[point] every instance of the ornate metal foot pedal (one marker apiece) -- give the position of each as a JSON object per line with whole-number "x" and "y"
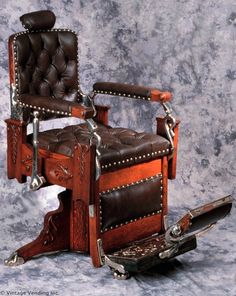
{"x": 178, "y": 239}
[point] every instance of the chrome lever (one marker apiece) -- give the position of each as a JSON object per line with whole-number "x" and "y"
{"x": 36, "y": 180}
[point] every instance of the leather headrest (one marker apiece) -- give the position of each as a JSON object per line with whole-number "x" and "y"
{"x": 38, "y": 20}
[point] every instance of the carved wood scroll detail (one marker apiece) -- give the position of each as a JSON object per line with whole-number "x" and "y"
{"x": 15, "y": 132}
{"x": 62, "y": 173}
{"x": 82, "y": 160}
{"x": 51, "y": 232}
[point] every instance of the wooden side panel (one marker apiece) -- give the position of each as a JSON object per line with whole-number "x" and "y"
{"x": 129, "y": 175}
{"x": 138, "y": 229}
{"x": 121, "y": 236}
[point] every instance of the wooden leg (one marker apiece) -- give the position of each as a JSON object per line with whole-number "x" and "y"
{"x": 54, "y": 237}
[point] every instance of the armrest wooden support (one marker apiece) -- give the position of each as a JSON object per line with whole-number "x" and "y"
{"x": 131, "y": 91}
{"x": 102, "y": 114}
{"x": 56, "y": 106}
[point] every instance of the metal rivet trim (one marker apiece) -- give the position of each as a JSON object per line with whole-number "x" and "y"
{"x": 16, "y": 67}
{"x": 115, "y": 163}
{"x": 113, "y": 93}
{"x": 126, "y": 186}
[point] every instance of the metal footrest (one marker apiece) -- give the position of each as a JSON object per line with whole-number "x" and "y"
{"x": 178, "y": 238}
{"x": 146, "y": 253}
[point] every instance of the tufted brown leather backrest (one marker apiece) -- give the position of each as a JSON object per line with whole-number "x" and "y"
{"x": 47, "y": 64}
{"x": 45, "y": 61}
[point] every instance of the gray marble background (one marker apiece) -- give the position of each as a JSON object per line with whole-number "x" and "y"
{"x": 186, "y": 46}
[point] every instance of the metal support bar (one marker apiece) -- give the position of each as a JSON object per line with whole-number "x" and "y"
{"x": 88, "y": 102}
{"x": 16, "y": 110}
{"x": 170, "y": 123}
{"x": 36, "y": 180}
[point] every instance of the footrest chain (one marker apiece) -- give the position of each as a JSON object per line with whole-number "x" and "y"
{"x": 118, "y": 270}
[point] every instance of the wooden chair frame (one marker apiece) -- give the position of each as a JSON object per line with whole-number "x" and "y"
{"x": 75, "y": 225}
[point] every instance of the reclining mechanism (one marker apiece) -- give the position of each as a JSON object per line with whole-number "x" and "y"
{"x": 115, "y": 203}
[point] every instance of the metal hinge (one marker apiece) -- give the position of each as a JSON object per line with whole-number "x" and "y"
{"x": 119, "y": 271}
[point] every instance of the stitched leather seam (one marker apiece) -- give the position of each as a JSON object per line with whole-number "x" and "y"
{"x": 126, "y": 186}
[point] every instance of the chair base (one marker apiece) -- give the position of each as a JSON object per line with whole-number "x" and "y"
{"x": 54, "y": 237}
{"x": 58, "y": 235}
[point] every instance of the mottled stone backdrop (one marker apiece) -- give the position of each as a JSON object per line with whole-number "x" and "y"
{"x": 186, "y": 46}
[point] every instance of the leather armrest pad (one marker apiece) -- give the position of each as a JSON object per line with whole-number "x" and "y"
{"x": 57, "y": 106}
{"x": 132, "y": 91}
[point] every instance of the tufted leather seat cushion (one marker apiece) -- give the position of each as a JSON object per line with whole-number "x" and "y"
{"x": 120, "y": 147}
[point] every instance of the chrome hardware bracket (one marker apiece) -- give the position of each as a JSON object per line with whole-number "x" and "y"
{"x": 14, "y": 260}
{"x": 91, "y": 210}
{"x": 118, "y": 269}
{"x": 13, "y": 94}
{"x": 165, "y": 222}
{"x": 169, "y": 252}
{"x": 93, "y": 129}
{"x": 36, "y": 180}
{"x": 88, "y": 102}
{"x": 16, "y": 110}
{"x": 170, "y": 123}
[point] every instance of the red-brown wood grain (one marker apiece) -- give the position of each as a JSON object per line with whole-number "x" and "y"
{"x": 121, "y": 236}
{"x": 102, "y": 114}
{"x": 77, "y": 174}
{"x": 172, "y": 165}
{"x": 16, "y": 137}
{"x": 55, "y": 234}
{"x": 129, "y": 175}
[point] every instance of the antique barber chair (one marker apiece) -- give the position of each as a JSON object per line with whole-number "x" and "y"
{"x": 115, "y": 203}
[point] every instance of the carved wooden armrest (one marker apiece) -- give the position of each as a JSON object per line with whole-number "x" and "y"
{"x": 56, "y": 106}
{"x": 131, "y": 91}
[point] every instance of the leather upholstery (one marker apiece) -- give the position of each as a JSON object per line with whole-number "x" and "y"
{"x": 133, "y": 91}
{"x": 132, "y": 202}
{"x": 120, "y": 147}
{"x": 47, "y": 64}
{"x": 56, "y": 106}
{"x": 38, "y": 20}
